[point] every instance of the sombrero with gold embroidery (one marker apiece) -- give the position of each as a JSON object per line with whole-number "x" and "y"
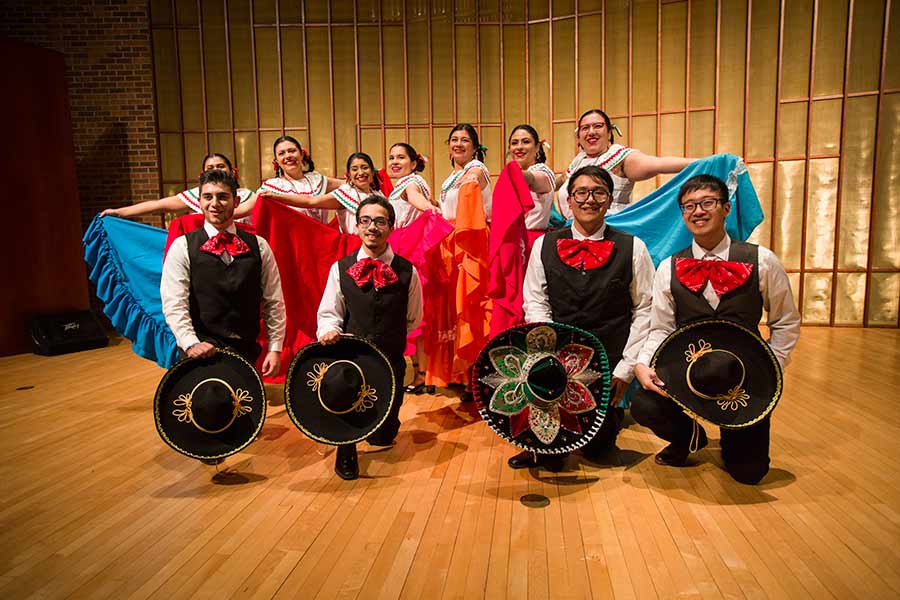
{"x": 339, "y": 393}
{"x": 212, "y": 407}
{"x": 544, "y": 387}
{"x": 719, "y": 371}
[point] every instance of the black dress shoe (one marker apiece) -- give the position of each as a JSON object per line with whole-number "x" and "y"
{"x": 345, "y": 463}
{"x": 212, "y": 461}
{"x": 522, "y": 460}
{"x": 527, "y": 460}
{"x": 676, "y": 456}
{"x": 419, "y": 389}
{"x": 466, "y": 396}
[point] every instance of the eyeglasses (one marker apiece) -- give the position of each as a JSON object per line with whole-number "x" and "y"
{"x": 581, "y": 195}
{"x": 705, "y": 204}
{"x": 365, "y": 221}
{"x": 592, "y": 127}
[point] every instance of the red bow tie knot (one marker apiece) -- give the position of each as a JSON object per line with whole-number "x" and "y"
{"x": 584, "y": 254}
{"x": 724, "y": 275}
{"x": 225, "y": 241}
{"x": 369, "y": 269}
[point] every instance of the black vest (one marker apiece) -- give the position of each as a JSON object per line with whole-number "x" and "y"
{"x": 743, "y": 304}
{"x": 598, "y": 300}
{"x": 225, "y": 299}
{"x": 378, "y": 315}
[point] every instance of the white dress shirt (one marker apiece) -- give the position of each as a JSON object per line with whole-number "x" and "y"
{"x": 537, "y": 299}
{"x": 174, "y": 288}
{"x": 333, "y": 309}
{"x": 774, "y": 287}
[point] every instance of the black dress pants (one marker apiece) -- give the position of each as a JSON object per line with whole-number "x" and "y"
{"x": 387, "y": 431}
{"x": 248, "y": 349}
{"x": 745, "y": 451}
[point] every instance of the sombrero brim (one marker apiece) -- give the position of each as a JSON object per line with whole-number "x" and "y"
{"x": 307, "y": 412}
{"x": 762, "y": 380}
{"x": 183, "y": 436}
{"x": 504, "y": 425}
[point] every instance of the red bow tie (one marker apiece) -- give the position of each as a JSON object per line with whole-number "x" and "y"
{"x": 724, "y": 275}
{"x": 584, "y": 254}
{"x": 377, "y": 271}
{"x": 223, "y": 241}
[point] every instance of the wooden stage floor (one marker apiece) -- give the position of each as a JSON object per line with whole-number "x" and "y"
{"x": 94, "y": 505}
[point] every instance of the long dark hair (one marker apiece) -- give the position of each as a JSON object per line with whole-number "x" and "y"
{"x": 541, "y": 156}
{"x": 232, "y": 170}
{"x": 413, "y": 155}
{"x": 479, "y": 149}
{"x": 305, "y": 157}
{"x": 603, "y": 115}
{"x": 368, "y": 159}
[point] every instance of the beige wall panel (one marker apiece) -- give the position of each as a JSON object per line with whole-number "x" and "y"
{"x": 223, "y": 143}
{"x": 168, "y": 101}
{"x": 763, "y": 74}
{"x": 492, "y": 137}
{"x": 825, "y": 127}
{"x": 342, "y": 12}
{"x": 186, "y": 12}
{"x": 865, "y": 47}
{"x": 514, "y": 10}
{"x": 345, "y": 121}
{"x": 194, "y": 151}
{"x": 191, "y": 92}
{"x": 796, "y": 50}
{"x": 293, "y": 77}
{"x": 616, "y": 39}
{"x": 371, "y": 144}
{"x": 321, "y": 120}
{"x": 789, "y": 212}
{"x": 514, "y": 86}
{"x": 291, "y": 11}
{"x": 886, "y": 230}
{"x": 466, "y": 74}
{"x": 831, "y": 45}
{"x": 171, "y": 156}
{"x": 439, "y": 165}
{"x": 792, "y": 130}
{"x": 218, "y": 108}
{"x": 264, "y": 12}
{"x": 246, "y": 153}
{"x": 539, "y": 75}
{"x": 820, "y": 213}
{"x": 671, "y": 141}
{"x": 465, "y": 10}
{"x": 883, "y": 298}
{"x": 267, "y": 76}
{"x": 564, "y": 69}
{"x": 856, "y": 182}
{"x": 761, "y": 174}
{"x": 564, "y": 148}
{"x": 316, "y": 11}
{"x": 674, "y": 63}
{"x": 394, "y": 77}
{"x": 442, "y": 70}
{"x": 816, "y": 308}
{"x": 732, "y": 70}
{"x": 590, "y": 62}
{"x": 370, "y": 78}
{"x": 421, "y": 141}
{"x": 417, "y": 65}
{"x": 489, "y": 58}
{"x": 242, "y": 68}
{"x": 590, "y": 5}
{"x": 267, "y": 150}
{"x": 392, "y": 11}
{"x": 644, "y": 30}
{"x": 160, "y": 12}
{"x": 703, "y": 53}
{"x": 644, "y": 137}
{"x": 849, "y": 298}
{"x": 488, "y": 10}
{"x": 538, "y": 9}
{"x": 892, "y": 66}
{"x": 563, "y": 8}
{"x": 392, "y": 135}
{"x": 701, "y": 133}
{"x": 794, "y": 279}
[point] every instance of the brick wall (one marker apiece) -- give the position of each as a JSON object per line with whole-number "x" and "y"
{"x": 109, "y": 70}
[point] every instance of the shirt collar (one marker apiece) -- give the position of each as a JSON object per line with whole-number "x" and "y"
{"x": 597, "y": 235}
{"x": 720, "y": 251}
{"x": 211, "y": 231}
{"x": 387, "y": 256}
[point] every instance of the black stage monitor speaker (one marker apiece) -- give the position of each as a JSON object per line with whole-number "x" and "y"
{"x": 62, "y": 333}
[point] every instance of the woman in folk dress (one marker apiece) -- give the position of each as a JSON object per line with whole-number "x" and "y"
{"x": 467, "y": 160}
{"x": 527, "y": 149}
{"x": 411, "y": 195}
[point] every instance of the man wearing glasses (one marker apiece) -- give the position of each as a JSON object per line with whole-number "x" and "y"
{"x": 677, "y": 300}
{"x": 373, "y": 294}
{"x": 599, "y": 279}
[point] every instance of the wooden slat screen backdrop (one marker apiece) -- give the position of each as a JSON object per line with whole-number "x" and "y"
{"x": 807, "y": 91}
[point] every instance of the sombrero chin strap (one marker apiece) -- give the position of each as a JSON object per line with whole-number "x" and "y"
{"x": 695, "y": 436}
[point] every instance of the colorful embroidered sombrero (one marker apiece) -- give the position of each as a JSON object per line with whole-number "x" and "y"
{"x": 544, "y": 387}
{"x": 210, "y": 407}
{"x": 339, "y": 393}
{"x": 719, "y": 371}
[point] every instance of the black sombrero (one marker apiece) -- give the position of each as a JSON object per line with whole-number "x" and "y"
{"x": 339, "y": 393}
{"x": 544, "y": 387}
{"x": 210, "y": 407}
{"x": 719, "y": 371}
